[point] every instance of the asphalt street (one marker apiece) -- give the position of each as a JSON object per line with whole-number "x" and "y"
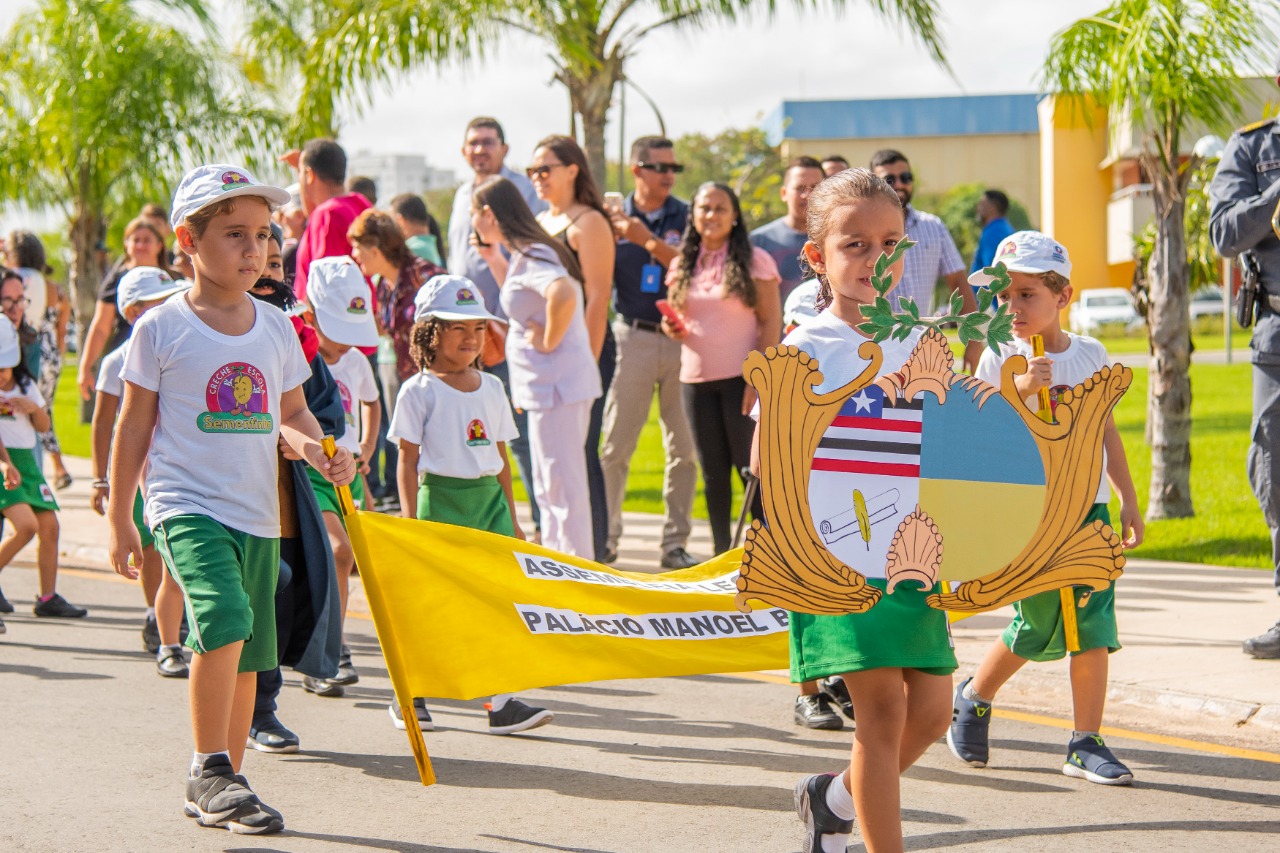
{"x": 95, "y": 745}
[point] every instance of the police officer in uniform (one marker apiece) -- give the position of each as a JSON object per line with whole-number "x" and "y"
{"x": 1243, "y": 198}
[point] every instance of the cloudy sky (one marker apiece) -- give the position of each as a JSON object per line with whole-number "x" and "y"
{"x": 726, "y": 75}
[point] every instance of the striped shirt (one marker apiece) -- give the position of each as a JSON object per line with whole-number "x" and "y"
{"x": 933, "y": 256}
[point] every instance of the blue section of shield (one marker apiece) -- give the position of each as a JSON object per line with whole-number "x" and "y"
{"x": 991, "y": 445}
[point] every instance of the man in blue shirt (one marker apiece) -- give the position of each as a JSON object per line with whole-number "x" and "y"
{"x": 992, "y": 210}
{"x": 650, "y": 226}
{"x": 783, "y": 238}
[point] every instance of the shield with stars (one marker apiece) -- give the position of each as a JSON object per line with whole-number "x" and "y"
{"x": 890, "y": 469}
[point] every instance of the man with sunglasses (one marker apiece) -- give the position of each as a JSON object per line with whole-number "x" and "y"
{"x": 650, "y": 224}
{"x": 935, "y": 254}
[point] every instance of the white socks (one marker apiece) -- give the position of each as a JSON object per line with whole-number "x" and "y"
{"x": 972, "y": 695}
{"x": 198, "y": 760}
{"x": 839, "y": 800}
{"x": 498, "y": 702}
{"x": 163, "y": 651}
{"x": 151, "y": 613}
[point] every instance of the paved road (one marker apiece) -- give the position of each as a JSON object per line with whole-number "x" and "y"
{"x": 95, "y": 745}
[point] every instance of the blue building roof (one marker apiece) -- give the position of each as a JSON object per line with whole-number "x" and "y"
{"x": 965, "y": 115}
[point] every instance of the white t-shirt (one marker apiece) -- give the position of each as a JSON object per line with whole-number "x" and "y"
{"x": 16, "y": 430}
{"x": 834, "y": 343}
{"x": 1083, "y": 357}
{"x": 356, "y": 385}
{"x": 109, "y": 381}
{"x": 214, "y": 451}
{"x": 458, "y": 431}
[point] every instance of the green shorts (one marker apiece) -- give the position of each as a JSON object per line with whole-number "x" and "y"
{"x": 327, "y": 493}
{"x": 901, "y": 630}
{"x": 228, "y": 581}
{"x": 480, "y": 504}
{"x": 1036, "y": 632}
{"x": 33, "y": 491}
{"x": 139, "y": 521}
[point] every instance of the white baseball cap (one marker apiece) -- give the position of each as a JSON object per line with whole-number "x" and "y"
{"x": 450, "y": 297}
{"x": 340, "y": 298}
{"x": 204, "y": 185}
{"x": 145, "y": 284}
{"x": 10, "y": 347}
{"x": 801, "y": 305}
{"x": 1027, "y": 251}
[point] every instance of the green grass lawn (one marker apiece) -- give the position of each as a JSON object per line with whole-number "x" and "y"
{"x": 1227, "y": 529}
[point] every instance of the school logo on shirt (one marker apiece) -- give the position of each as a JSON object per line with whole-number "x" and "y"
{"x": 236, "y": 395}
{"x": 6, "y": 410}
{"x": 231, "y": 180}
{"x": 465, "y": 297}
{"x": 345, "y": 393}
{"x": 358, "y": 305}
{"x": 476, "y": 436}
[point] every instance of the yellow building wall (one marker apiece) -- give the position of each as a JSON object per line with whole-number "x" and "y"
{"x": 1007, "y": 162}
{"x": 1075, "y": 190}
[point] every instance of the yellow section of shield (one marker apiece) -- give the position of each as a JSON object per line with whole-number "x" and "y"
{"x": 983, "y": 525}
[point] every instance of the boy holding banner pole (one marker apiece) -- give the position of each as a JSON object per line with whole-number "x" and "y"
{"x": 1052, "y": 624}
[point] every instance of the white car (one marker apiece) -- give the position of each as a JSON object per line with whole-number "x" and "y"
{"x": 1207, "y": 302}
{"x": 1102, "y": 306}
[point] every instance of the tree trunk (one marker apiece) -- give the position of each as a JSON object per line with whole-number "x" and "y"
{"x": 86, "y": 273}
{"x": 1169, "y": 386}
{"x": 591, "y": 94}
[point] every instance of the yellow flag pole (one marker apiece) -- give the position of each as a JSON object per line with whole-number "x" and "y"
{"x": 1070, "y": 625}
{"x": 395, "y": 666}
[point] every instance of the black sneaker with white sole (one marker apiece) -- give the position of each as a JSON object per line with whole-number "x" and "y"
{"x": 171, "y": 663}
{"x": 268, "y": 734}
{"x": 151, "y": 634}
{"x": 678, "y": 558}
{"x": 419, "y": 711}
{"x": 322, "y": 687}
{"x": 969, "y": 735}
{"x": 216, "y": 796}
{"x": 813, "y": 711}
{"x": 1089, "y": 758}
{"x": 835, "y": 690}
{"x": 818, "y": 819}
{"x": 58, "y": 607}
{"x": 346, "y": 670}
{"x": 516, "y": 716}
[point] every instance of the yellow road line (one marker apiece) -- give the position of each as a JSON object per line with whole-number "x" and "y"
{"x": 1021, "y": 716}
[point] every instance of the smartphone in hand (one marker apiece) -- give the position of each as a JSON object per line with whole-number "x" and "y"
{"x": 672, "y": 315}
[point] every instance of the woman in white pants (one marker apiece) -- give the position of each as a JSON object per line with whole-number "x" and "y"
{"x": 553, "y": 372}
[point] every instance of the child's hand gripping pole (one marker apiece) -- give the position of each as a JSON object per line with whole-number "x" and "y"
{"x": 345, "y": 501}
{"x": 1070, "y": 627}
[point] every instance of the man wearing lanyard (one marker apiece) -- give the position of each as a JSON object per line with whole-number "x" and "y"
{"x": 485, "y": 147}
{"x": 649, "y": 226}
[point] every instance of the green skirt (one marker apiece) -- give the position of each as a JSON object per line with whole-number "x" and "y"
{"x": 34, "y": 491}
{"x": 479, "y": 504}
{"x": 901, "y": 630}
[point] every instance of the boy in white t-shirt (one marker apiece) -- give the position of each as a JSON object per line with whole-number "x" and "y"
{"x": 338, "y": 309}
{"x": 140, "y": 290}
{"x": 211, "y": 380}
{"x": 1040, "y": 290}
{"x": 453, "y": 421}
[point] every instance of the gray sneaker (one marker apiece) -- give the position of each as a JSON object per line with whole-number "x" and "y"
{"x": 969, "y": 735}
{"x": 425, "y": 723}
{"x": 516, "y": 716}
{"x": 1088, "y": 758}
{"x": 216, "y": 796}
{"x": 346, "y": 671}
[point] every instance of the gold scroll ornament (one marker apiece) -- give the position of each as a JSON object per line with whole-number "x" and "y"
{"x": 786, "y": 563}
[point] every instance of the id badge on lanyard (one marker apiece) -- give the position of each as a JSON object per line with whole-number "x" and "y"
{"x": 651, "y": 279}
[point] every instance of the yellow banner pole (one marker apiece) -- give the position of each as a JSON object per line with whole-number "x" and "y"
{"x": 394, "y": 666}
{"x": 1070, "y": 626}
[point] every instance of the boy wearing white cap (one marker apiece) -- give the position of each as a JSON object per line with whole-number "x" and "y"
{"x": 26, "y": 501}
{"x": 338, "y": 308}
{"x": 453, "y": 422}
{"x": 1040, "y": 289}
{"x": 141, "y": 289}
{"x": 212, "y": 380}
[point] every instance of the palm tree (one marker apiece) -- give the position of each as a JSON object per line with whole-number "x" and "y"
{"x": 340, "y": 45}
{"x": 103, "y": 106}
{"x": 1162, "y": 66}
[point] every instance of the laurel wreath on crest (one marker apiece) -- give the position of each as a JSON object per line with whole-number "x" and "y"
{"x": 883, "y": 322}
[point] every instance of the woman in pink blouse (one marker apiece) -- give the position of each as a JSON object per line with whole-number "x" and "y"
{"x": 726, "y": 292}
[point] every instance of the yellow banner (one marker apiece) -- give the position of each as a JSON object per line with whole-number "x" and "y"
{"x": 462, "y": 614}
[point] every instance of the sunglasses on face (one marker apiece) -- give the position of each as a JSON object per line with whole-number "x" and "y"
{"x": 663, "y": 168}
{"x": 541, "y": 171}
{"x": 904, "y": 178}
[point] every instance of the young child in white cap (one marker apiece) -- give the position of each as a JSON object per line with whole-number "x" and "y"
{"x": 26, "y": 501}
{"x": 453, "y": 422}
{"x": 338, "y": 308}
{"x": 1040, "y": 289}
{"x": 140, "y": 290}
{"x": 212, "y": 381}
